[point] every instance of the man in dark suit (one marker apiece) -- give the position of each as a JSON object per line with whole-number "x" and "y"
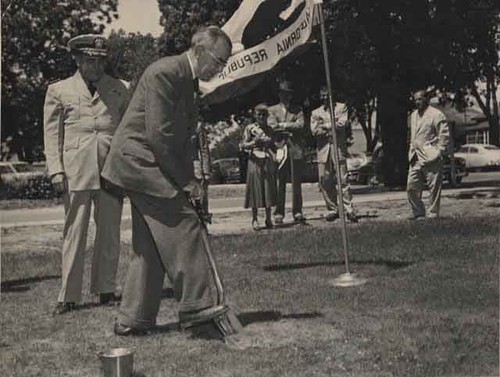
{"x": 151, "y": 159}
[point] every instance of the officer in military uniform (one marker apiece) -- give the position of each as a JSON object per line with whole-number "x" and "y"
{"x": 81, "y": 114}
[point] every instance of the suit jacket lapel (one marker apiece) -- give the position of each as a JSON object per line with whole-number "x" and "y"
{"x": 420, "y": 121}
{"x": 189, "y": 84}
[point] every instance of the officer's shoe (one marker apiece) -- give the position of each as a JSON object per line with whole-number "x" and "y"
{"x": 278, "y": 219}
{"x": 108, "y": 298}
{"x": 64, "y": 307}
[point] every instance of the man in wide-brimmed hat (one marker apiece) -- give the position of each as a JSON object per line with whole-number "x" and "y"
{"x": 287, "y": 118}
{"x": 81, "y": 114}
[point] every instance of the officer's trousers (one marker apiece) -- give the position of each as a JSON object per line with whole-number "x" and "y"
{"x": 107, "y": 217}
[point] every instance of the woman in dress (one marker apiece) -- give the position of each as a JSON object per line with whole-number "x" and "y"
{"x": 261, "y": 179}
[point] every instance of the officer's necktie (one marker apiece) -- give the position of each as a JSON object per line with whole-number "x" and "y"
{"x": 91, "y": 88}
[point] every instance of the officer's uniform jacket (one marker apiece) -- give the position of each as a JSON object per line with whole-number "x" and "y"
{"x": 429, "y": 135}
{"x": 79, "y": 127}
{"x": 291, "y": 120}
{"x": 321, "y": 127}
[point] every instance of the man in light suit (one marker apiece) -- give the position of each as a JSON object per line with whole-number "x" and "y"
{"x": 151, "y": 159}
{"x": 321, "y": 128}
{"x": 288, "y": 117}
{"x": 81, "y": 114}
{"x": 429, "y": 140}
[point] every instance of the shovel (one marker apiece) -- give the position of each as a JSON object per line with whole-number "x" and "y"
{"x": 228, "y": 324}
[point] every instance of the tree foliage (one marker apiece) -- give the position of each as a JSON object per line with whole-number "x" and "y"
{"x": 34, "y": 38}
{"x": 386, "y": 49}
{"x": 130, "y": 54}
{"x": 181, "y": 18}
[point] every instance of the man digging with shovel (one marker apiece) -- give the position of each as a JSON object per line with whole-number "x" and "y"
{"x": 151, "y": 159}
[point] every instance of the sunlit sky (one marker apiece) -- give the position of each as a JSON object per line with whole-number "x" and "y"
{"x": 137, "y": 16}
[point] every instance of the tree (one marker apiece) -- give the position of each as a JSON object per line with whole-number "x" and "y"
{"x": 34, "y": 39}
{"x": 380, "y": 52}
{"x": 181, "y": 18}
{"x": 130, "y": 54}
{"x": 386, "y": 49}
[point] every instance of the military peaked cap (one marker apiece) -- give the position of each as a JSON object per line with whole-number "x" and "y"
{"x": 88, "y": 44}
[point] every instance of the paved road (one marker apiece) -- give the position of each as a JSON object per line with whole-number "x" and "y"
{"x": 311, "y": 196}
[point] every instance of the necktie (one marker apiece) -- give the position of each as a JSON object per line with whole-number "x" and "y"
{"x": 91, "y": 88}
{"x": 196, "y": 83}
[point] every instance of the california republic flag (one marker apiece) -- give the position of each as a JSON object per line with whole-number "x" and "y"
{"x": 263, "y": 33}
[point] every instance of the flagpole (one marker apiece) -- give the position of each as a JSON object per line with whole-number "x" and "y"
{"x": 347, "y": 279}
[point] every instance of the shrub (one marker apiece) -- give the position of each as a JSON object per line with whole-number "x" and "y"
{"x": 27, "y": 187}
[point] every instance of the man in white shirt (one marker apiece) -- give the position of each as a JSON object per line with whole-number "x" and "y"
{"x": 428, "y": 144}
{"x": 321, "y": 128}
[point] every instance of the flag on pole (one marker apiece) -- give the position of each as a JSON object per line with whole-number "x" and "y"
{"x": 263, "y": 33}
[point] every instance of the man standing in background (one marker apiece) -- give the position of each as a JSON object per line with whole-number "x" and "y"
{"x": 287, "y": 116}
{"x": 321, "y": 128}
{"x": 81, "y": 114}
{"x": 429, "y": 138}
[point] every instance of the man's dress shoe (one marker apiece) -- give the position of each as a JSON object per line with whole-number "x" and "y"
{"x": 64, "y": 307}
{"x": 124, "y": 330}
{"x": 108, "y": 298}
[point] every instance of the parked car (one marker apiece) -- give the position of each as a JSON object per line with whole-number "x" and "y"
{"x": 479, "y": 156}
{"x": 19, "y": 169}
{"x": 225, "y": 170}
{"x": 360, "y": 168}
{"x": 24, "y": 181}
{"x": 460, "y": 170}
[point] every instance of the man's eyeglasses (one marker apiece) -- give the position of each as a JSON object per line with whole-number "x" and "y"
{"x": 218, "y": 60}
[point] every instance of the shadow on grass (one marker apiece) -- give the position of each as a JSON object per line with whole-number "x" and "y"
{"x": 209, "y": 331}
{"x": 337, "y": 221}
{"x": 248, "y": 318}
{"x": 22, "y": 285}
{"x": 393, "y": 265}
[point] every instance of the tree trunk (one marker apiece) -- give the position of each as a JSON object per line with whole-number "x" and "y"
{"x": 392, "y": 117}
{"x": 494, "y": 121}
{"x": 491, "y": 116}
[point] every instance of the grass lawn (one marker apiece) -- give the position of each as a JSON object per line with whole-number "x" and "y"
{"x": 429, "y": 308}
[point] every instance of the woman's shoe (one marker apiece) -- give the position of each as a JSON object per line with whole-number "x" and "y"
{"x": 269, "y": 224}
{"x": 255, "y": 225}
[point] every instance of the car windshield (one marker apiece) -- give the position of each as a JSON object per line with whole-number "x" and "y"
{"x": 5, "y": 169}
{"x": 491, "y": 147}
{"x": 228, "y": 164}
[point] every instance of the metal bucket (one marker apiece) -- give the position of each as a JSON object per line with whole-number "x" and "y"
{"x": 117, "y": 362}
